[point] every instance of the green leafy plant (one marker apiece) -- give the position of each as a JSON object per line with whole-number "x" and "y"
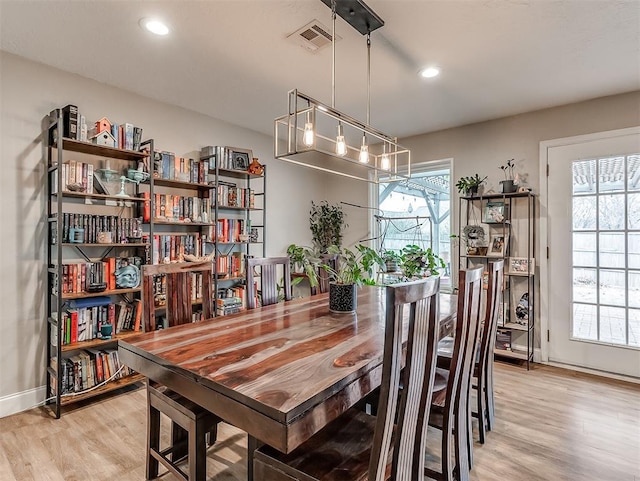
{"x": 467, "y": 184}
{"x": 327, "y": 223}
{"x": 304, "y": 259}
{"x": 353, "y": 267}
{"x": 416, "y": 261}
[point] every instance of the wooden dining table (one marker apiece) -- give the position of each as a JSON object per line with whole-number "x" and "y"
{"x": 280, "y": 372}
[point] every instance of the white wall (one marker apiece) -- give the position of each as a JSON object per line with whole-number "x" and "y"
{"x": 29, "y": 91}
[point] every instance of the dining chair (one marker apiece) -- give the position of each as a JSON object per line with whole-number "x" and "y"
{"x": 361, "y": 447}
{"x": 483, "y": 369}
{"x": 179, "y": 281}
{"x": 450, "y": 406}
{"x": 323, "y": 275}
{"x": 269, "y": 277}
{"x": 191, "y": 424}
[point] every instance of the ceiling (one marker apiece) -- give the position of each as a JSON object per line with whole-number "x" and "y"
{"x": 231, "y": 59}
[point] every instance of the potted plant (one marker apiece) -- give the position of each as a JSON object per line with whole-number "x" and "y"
{"x": 391, "y": 260}
{"x": 306, "y": 261}
{"x": 508, "y": 185}
{"x": 327, "y": 223}
{"x": 469, "y": 185}
{"x": 353, "y": 269}
{"x": 418, "y": 262}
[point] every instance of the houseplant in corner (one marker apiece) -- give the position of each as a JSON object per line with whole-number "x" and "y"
{"x": 353, "y": 269}
{"x": 327, "y": 223}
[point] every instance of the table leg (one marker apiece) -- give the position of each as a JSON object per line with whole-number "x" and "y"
{"x": 252, "y": 445}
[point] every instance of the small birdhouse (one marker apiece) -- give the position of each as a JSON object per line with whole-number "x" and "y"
{"x": 104, "y": 138}
{"x": 103, "y": 125}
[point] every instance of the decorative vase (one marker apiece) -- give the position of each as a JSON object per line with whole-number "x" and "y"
{"x": 508, "y": 186}
{"x": 342, "y": 297}
{"x": 473, "y": 190}
{"x": 391, "y": 266}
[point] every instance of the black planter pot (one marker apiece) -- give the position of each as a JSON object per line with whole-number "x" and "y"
{"x": 342, "y": 297}
{"x": 508, "y": 186}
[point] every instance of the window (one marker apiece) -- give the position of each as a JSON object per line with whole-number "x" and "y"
{"x": 417, "y": 211}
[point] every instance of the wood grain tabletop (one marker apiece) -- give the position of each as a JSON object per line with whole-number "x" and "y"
{"x": 280, "y": 372}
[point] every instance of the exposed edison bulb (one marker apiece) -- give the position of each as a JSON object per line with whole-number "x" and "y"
{"x": 364, "y": 152}
{"x": 341, "y": 145}
{"x": 308, "y": 136}
{"x": 385, "y": 163}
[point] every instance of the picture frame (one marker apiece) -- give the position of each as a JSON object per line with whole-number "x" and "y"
{"x": 498, "y": 245}
{"x": 521, "y": 266}
{"x": 240, "y": 158}
{"x": 495, "y": 212}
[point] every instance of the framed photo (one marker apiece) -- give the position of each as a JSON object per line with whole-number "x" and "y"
{"x": 521, "y": 266}
{"x": 498, "y": 245}
{"x": 495, "y": 212}
{"x": 240, "y": 158}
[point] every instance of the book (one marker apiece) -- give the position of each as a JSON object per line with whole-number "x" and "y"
{"x": 70, "y": 122}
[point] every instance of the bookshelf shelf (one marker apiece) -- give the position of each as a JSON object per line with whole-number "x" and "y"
{"x": 95, "y": 244}
{"x": 84, "y": 295}
{"x": 238, "y": 174}
{"x": 226, "y": 207}
{"x": 101, "y": 150}
{"x": 83, "y": 216}
{"x": 178, "y": 184}
{"x": 186, "y": 224}
{"x": 110, "y": 386}
{"x": 97, "y": 342}
{"x": 84, "y": 195}
{"x": 514, "y": 354}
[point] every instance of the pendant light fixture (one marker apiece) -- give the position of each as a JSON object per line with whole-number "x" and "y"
{"x": 319, "y": 136}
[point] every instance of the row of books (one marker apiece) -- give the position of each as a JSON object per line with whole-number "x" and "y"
{"x": 85, "y": 228}
{"x": 168, "y": 166}
{"x": 89, "y": 368}
{"x": 83, "y": 321}
{"x": 230, "y": 195}
{"x": 74, "y": 126}
{"x": 230, "y": 230}
{"x": 231, "y": 300}
{"x": 175, "y": 208}
{"x": 173, "y": 247}
{"x": 79, "y": 277}
{"x": 76, "y": 177}
{"x": 228, "y": 158}
{"x": 231, "y": 265}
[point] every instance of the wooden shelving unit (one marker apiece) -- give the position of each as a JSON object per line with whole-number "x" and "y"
{"x": 518, "y": 227}
{"x": 86, "y": 207}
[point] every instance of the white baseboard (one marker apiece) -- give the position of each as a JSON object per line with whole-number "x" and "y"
{"x": 537, "y": 353}
{"x": 595, "y": 372}
{"x": 22, "y": 401}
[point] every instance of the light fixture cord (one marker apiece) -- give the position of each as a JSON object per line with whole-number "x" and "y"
{"x": 333, "y": 55}
{"x": 368, "y": 78}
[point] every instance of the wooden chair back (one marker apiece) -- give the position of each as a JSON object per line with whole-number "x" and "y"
{"x": 179, "y": 292}
{"x": 463, "y": 359}
{"x": 269, "y": 279}
{"x": 407, "y": 413}
{"x": 323, "y": 276}
{"x": 495, "y": 292}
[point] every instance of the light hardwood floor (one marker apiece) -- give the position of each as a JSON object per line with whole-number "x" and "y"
{"x": 552, "y": 425}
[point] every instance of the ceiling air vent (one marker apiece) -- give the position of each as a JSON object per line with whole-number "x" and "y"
{"x": 313, "y": 36}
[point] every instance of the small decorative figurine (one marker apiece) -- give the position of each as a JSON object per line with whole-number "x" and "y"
{"x": 255, "y": 167}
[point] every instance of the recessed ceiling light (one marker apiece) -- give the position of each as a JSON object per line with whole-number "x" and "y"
{"x": 430, "y": 72}
{"x": 154, "y": 26}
